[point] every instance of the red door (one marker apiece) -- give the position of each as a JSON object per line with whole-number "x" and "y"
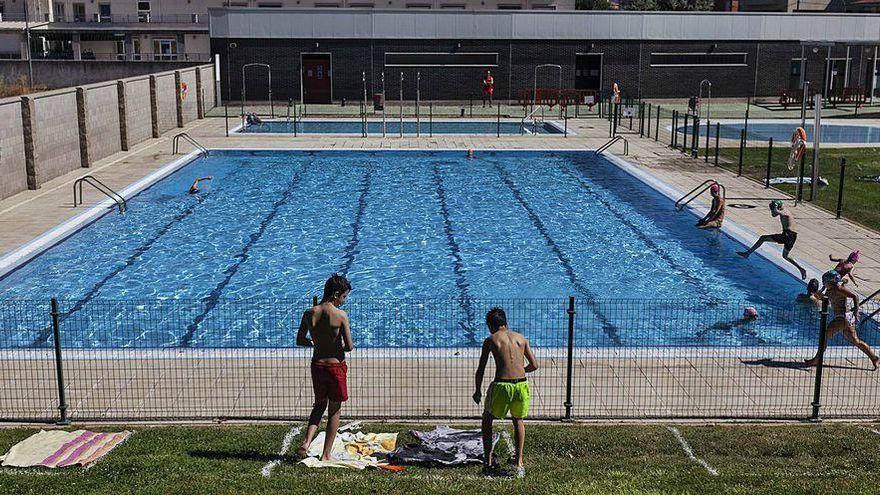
{"x": 316, "y": 78}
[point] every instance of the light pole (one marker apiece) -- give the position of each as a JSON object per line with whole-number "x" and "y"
{"x": 27, "y": 30}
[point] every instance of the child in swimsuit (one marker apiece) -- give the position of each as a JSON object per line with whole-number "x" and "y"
{"x": 845, "y": 266}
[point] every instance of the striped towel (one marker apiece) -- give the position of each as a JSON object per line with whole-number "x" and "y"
{"x": 57, "y": 449}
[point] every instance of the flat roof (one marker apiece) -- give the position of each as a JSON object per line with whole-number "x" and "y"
{"x": 542, "y": 25}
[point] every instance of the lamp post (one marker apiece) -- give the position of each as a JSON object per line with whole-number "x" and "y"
{"x": 27, "y": 30}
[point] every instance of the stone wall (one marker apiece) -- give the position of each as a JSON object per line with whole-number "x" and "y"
{"x": 208, "y": 88}
{"x": 102, "y": 121}
{"x": 67, "y": 73}
{"x": 46, "y": 135}
{"x": 137, "y": 110}
{"x": 56, "y": 134}
{"x": 12, "y": 172}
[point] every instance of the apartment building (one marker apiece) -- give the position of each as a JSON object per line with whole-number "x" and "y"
{"x": 168, "y": 30}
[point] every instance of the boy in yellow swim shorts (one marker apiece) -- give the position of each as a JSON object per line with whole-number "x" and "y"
{"x": 509, "y": 392}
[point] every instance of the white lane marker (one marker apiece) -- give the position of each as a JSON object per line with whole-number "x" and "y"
{"x": 690, "y": 452}
{"x": 285, "y": 446}
{"x": 871, "y": 430}
{"x": 505, "y": 437}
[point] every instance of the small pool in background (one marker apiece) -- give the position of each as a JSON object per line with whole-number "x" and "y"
{"x": 392, "y": 127}
{"x": 781, "y": 132}
{"x": 429, "y": 240}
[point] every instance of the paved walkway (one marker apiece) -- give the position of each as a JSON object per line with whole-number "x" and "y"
{"x": 746, "y": 383}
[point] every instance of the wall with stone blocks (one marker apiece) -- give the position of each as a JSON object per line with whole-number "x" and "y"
{"x": 137, "y": 110}
{"x": 167, "y": 102}
{"x": 190, "y": 102}
{"x": 13, "y": 176}
{"x": 56, "y": 134}
{"x": 208, "y": 86}
{"x": 102, "y": 121}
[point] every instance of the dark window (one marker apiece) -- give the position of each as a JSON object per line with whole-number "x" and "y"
{"x": 510, "y": 7}
{"x": 441, "y": 59}
{"x": 272, "y": 5}
{"x": 692, "y": 59}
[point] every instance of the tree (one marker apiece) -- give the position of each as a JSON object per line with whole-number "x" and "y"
{"x": 592, "y": 5}
{"x": 640, "y": 5}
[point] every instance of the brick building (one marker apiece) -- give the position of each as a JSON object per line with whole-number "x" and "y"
{"x": 323, "y": 55}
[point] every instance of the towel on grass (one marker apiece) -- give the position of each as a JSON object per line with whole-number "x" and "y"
{"x": 57, "y": 448}
{"x": 443, "y": 446}
{"x": 352, "y": 450}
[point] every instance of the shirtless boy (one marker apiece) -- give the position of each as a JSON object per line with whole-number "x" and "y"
{"x": 787, "y": 238}
{"x": 330, "y": 333}
{"x": 509, "y": 391}
{"x": 843, "y": 321}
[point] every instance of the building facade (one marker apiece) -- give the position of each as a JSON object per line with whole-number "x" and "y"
{"x": 322, "y": 56}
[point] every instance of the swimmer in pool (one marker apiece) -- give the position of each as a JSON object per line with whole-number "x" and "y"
{"x": 787, "y": 238}
{"x": 194, "y": 188}
{"x": 845, "y": 266}
{"x": 813, "y": 296}
{"x": 843, "y": 321}
{"x": 715, "y": 217}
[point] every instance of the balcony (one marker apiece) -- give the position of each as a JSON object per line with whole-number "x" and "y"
{"x": 88, "y": 55}
{"x": 200, "y": 19}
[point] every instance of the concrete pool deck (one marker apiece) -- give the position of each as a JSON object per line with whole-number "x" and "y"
{"x": 630, "y": 387}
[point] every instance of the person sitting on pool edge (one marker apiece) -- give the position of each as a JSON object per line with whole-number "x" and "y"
{"x": 194, "y": 188}
{"x": 509, "y": 391}
{"x": 787, "y": 238}
{"x": 330, "y": 333}
{"x": 715, "y": 217}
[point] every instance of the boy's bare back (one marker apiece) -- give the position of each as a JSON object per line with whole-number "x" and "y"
{"x": 330, "y": 333}
{"x": 510, "y": 350}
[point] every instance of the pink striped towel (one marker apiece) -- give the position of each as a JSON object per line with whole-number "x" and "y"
{"x": 57, "y": 448}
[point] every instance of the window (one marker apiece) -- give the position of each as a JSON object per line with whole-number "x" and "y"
{"x": 164, "y": 49}
{"x": 441, "y": 59}
{"x": 543, "y": 6}
{"x": 269, "y": 5}
{"x": 327, "y": 5}
{"x": 509, "y": 6}
{"x": 136, "y": 49}
{"x": 104, "y": 12}
{"x": 2, "y": 8}
{"x": 79, "y": 12}
{"x": 698, "y": 59}
{"x": 59, "y": 12}
{"x": 120, "y": 48}
{"x": 363, "y": 5}
{"x": 458, "y": 6}
{"x": 418, "y": 5}
{"x": 144, "y": 12}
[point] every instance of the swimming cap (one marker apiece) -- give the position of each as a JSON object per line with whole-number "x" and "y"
{"x": 831, "y": 277}
{"x": 715, "y": 188}
{"x": 854, "y": 256}
{"x": 750, "y": 313}
{"x": 776, "y": 204}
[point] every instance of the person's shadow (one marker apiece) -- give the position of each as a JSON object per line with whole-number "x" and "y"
{"x": 797, "y": 365}
{"x": 248, "y": 455}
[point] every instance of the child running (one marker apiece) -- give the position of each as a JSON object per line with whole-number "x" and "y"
{"x": 330, "y": 334}
{"x": 843, "y": 321}
{"x": 787, "y": 238}
{"x": 845, "y": 266}
{"x": 508, "y": 392}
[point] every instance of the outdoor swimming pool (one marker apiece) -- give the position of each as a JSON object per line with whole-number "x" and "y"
{"x": 429, "y": 240}
{"x": 392, "y": 127}
{"x": 781, "y": 132}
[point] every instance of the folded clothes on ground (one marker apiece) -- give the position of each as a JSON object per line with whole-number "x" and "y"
{"x": 442, "y": 446}
{"x": 794, "y": 180}
{"x": 57, "y": 448}
{"x": 352, "y": 450}
{"x": 870, "y": 178}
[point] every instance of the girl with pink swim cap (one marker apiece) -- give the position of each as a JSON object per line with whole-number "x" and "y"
{"x": 845, "y": 266}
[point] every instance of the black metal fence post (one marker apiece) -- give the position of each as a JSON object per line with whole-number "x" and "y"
{"x": 648, "y": 120}
{"x": 657, "y": 128}
{"x": 226, "y": 114}
{"x": 800, "y": 183}
{"x": 294, "y": 121}
{"x": 673, "y": 138}
{"x": 820, "y": 362}
{"x": 708, "y": 133}
{"x": 431, "y": 119}
{"x": 717, "y": 140}
{"x": 498, "y": 123}
{"x": 695, "y": 142}
{"x": 570, "y": 362}
{"x": 684, "y": 134}
{"x": 769, "y": 162}
{"x": 59, "y": 367}
{"x": 471, "y": 104}
{"x": 742, "y": 145}
{"x": 840, "y": 187}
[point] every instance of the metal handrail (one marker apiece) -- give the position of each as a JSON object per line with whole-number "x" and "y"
{"x": 613, "y": 140}
{"x": 175, "y": 144}
{"x": 872, "y": 296}
{"x": 534, "y": 111}
{"x": 690, "y": 196}
{"x": 100, "y": 186}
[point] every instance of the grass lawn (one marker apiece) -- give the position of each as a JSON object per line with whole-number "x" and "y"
{"x": 860, "y": 199}
{"x": 565, "y": 459}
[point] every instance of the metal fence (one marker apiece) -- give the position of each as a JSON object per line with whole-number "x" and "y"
{"x": 149, "y": 360}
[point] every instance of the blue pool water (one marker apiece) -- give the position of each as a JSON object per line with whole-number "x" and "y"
{"x": 781, "y": 133}
{"x": 429, "y": 241}
{"x": 392, "y": 127}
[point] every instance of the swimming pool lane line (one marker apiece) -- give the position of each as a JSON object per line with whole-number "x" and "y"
{"x": 609, "y": 328}
{"x": 640, "y": 234}
{"x": 461, "y": 284}
{"x": 214, "y": 297}
{"x": 351, "y": 249}
{"x": 43, "y": 337}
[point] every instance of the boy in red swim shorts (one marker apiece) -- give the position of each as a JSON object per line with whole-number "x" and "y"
{"x": 325, "y": 328}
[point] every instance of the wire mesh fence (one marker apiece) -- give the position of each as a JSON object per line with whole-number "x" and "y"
{"x": 150, "y": 360}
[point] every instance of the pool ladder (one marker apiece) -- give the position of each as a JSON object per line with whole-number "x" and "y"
{"x": 533, "y": 116}
{"x": 697, "y": 191}
{"x": 611, "y": 142}
{"x": 874, "y": 313}
{"x": 97, "y": 184}
{"x": 175, "y": 144}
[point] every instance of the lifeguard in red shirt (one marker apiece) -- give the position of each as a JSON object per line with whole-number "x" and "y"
{"x": 488, "y": 88}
